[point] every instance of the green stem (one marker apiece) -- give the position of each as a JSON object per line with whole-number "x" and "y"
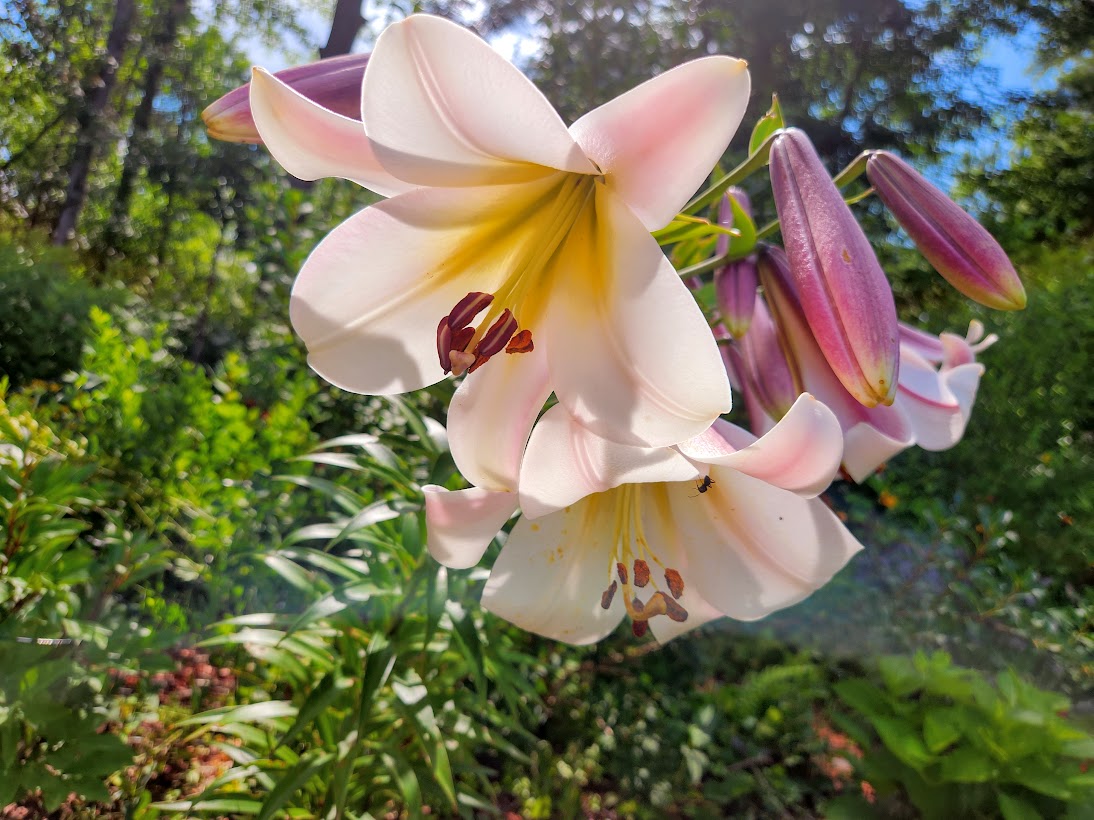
{"x": 709, "y": 265}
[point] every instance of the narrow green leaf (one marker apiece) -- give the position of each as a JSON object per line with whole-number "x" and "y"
{"x": 310, "y": 763}
{"x": 768, "y": 124}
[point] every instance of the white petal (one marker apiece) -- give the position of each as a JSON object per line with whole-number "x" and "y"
{"x": 444, "y": 109}
{"x": 461, "y": 524}
{"x": 866, "y": 446}
{"x": 369, "y": 298}
{"x": 312, "y": 142}
{"x": 657, "y": 143}
{"x": 631, "y": 355}
{"x": 492, "y": 414}
{"x": 566, "y": 462}
{"x": 801, "y": 453}
{"x": 551, "y": 572}
{"x": 938, "y": 417}
{"x": 755, "y": 548}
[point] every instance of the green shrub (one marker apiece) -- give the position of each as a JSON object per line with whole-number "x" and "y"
{"x": 953, "y": 744}
{"x": 43, "y": 312}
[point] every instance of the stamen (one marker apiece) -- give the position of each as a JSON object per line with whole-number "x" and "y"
{"x": 495, "y": 339}
{"x": 641, "y": 573}
{"x": 621, "y": 570}
{"x": 521, "y": 343}
{"x": 479, "y": 362}
{"x": 675, "y": 582}
{"x": 674, "y": 610}
{"x": 462, "y": 338}
{"x": 468, "y": 308}
{"x": 608, "y": 595}
{"x": 460, "y": 362}
{"x": 444, "y": 344}
{"x": 640, "y": 628}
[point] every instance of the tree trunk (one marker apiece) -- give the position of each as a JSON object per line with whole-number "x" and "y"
{"x": 344, "y": 26}
{"x": 162, "y": 43}
{"x": 89, "y": 122}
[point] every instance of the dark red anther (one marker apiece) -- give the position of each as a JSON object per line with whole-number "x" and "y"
{"x": 495, "y": 339}
{"x": 674, "y": 610}
{"x": 444, "y": 345}
{"x": 521, "y": 343}
{"x": 462, "y": 338}
{"x": 641, "y": 573}
{"x": 468, "y": 308}
{"x": 640, "y": 628}
{"x": 608, "y": 595}
{"x": 675, "y": 582}
{"x": 621, "y": 570}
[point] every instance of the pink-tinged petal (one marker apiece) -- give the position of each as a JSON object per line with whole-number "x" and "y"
{"x": 657, "y": 143}
{"x": 566, "y": 462}
{"x": 958, "y": 246}
{"x": 312, "y": 142}
{"x": 755, "y": 548}
{"x": 955, "y": 350}
{"x": 631, "y": 355}
{"x": 924, "y": 344}
{"x": 865, "y": 447}
{"x": 445, "y": 109}
{"x": 551, "y": 572}
{"x": 460, "y": 525}
{"x": 801, "y": 453}
{"x": 492, "y": 414}
{"x": 368, "y": 300}
{"x": 937, "y": 404}
{"x": 334, "y": 83}
{"x": 843, "y": 290}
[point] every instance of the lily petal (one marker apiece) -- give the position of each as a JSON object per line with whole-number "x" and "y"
{"x": 462, "y": 523}
{"x": 444, "y": 109}
{"x": 551, "y": 572}
{"x": 492, "y": 414}
{"x": 865, "y": 447}
{"x": 938, "y": 405}
{"x": 801, "y": 453}
{"x": 566, "y": 462}
{"x": 312, "y": 142}
{"x": 367, "y": 317}
{"x": 758, "y": 548}
{"x": 631, "y": 355}
{"x": 657, "y": 142}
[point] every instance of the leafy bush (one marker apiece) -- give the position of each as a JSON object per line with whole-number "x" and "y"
{"x": 954, "y": 745}
{"x": 43, "y": 312}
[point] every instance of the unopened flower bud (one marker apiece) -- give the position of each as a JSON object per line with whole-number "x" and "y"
{"x": 734, "y": 284}
{"x": 843, "y": 291}
{"x": 762, "y": 365}
{"x": 958, "y": 246}
{"x": 334, "y": 83}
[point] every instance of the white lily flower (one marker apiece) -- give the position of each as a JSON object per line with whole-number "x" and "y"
{"x": 723, "y": 524}
{"x": 508, "y": 231}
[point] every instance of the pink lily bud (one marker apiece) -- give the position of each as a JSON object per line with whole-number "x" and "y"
{"x": 958, "y": 246}
{"x": 759, "y": 360}
{"x": 735, "y": 284}
{"x": 334, "y": 83}
{"x": 844, "y": 293}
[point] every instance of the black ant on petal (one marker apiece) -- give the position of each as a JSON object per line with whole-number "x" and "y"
{"x": 704, "y": 485}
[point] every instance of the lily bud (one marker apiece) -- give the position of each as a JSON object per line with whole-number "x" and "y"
{"x": 735, "y": 284}
{"x": 844, "y": 293}
{"x": 334, "y": 83}
{"x": 958, "y": 246}
{"x": 762, "y": 365}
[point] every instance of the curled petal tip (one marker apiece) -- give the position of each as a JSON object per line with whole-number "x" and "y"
{"x": 334, "y": 83}
{"x": 955, "y": 244}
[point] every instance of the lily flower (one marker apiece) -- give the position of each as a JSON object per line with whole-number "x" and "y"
{"x": 673, "y": 537}
{"x": 512, "y": 243}
{"x": 734, "y": 284}
{"x": 844, "y": 293}
{"x": 334, "y": 83}
{"x": 958, "y": 246}
{"x": 932, "y": 405}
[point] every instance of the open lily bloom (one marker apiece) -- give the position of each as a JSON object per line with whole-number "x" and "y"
{"x": 932, "y": 404}
{"x": 513, "y": 243}
{"x": 673, "y": 537}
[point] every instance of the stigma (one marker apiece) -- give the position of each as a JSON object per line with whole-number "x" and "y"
{"x": 463, "y": 347}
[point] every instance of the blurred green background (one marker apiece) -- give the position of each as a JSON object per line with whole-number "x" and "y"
{"x": 214, "y": 594}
